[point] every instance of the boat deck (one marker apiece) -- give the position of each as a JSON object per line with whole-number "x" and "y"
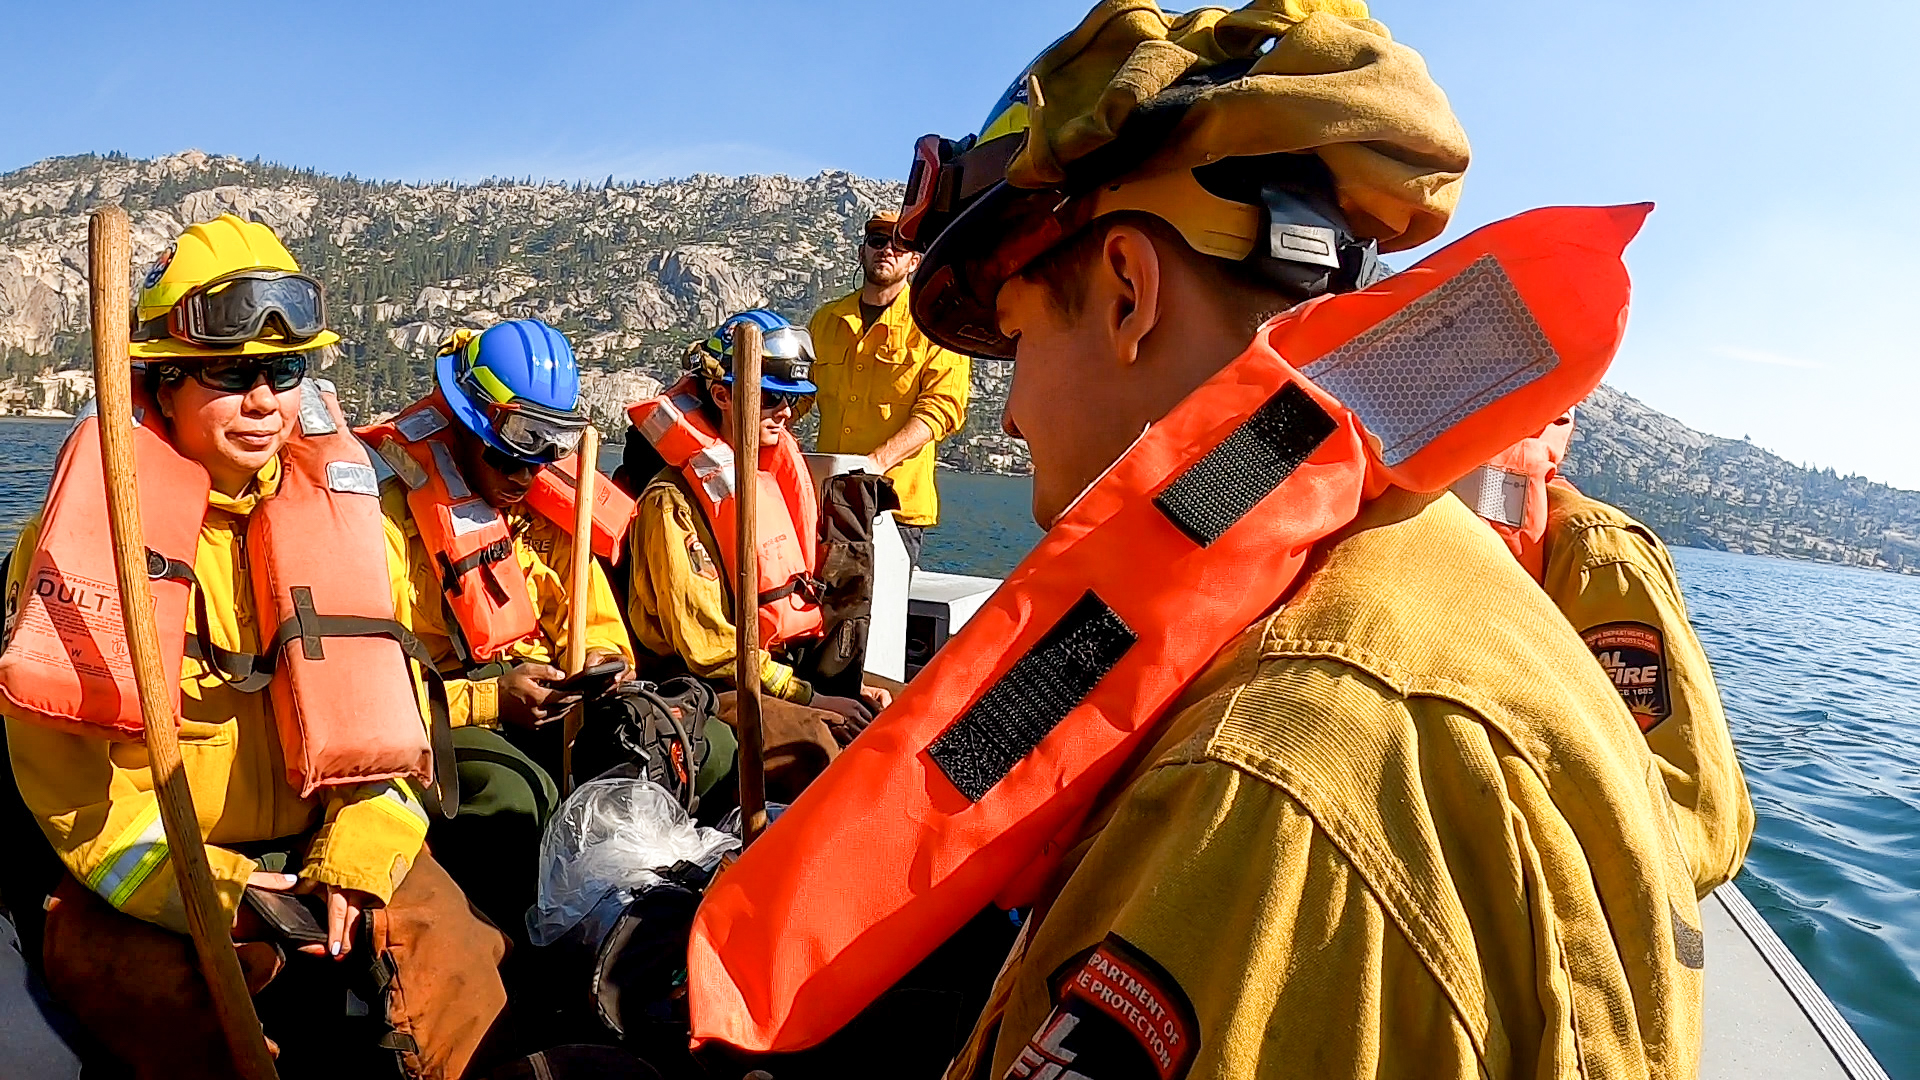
{"x": 1765, "y": 1016}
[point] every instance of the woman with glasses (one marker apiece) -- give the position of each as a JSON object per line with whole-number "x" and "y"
{"x": 680, "y": 601}
{"x": 251, "y": 486}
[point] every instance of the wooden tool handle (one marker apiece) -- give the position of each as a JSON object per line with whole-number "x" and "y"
{"x": 746, "y": 617}
{"x": 109, "y": 255}
{"x": 578, "y": 589}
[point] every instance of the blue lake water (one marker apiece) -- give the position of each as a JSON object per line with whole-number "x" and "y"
{"x": 1820, "y": 668}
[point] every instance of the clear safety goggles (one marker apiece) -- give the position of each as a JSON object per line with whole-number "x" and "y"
{"x": 533, "y": 432}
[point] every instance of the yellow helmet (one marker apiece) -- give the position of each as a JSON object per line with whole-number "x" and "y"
{"x": 228, "y": 287}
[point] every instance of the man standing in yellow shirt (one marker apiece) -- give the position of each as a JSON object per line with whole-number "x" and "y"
{"x": 886, "y": 391}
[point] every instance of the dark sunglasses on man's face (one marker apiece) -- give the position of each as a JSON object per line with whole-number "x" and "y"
{"x": 240, "y": 374}
{"x": 770, "y": 400}
{"x": 878, "y": 241}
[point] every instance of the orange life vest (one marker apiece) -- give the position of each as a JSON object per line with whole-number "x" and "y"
{"x": 555, "y": 491}
{"x": 344, "y": 705}
{"x": 1510, "y": 491}
{"x": 787, "y": 507}
{"x": 965, "y": 789}
{"x": 468, "y": 540}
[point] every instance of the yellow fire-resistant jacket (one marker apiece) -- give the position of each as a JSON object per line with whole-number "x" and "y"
{"x": 676, "y": 602}
{"x": 94, "y": 798}
{"x": 545, "y": 551}
{"x": 1402, "y": 828}
{"x": 874, "y": 379}
{"x": 1615, "y": 583}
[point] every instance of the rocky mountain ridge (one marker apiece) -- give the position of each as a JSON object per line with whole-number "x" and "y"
{"x": 633, "y": 271}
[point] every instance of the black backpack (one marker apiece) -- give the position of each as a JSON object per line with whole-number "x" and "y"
{"x": 660, "y": 728}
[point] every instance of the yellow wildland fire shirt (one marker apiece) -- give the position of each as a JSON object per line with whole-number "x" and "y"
{"x": 676, "y": 601}
{"x": 1615, "y": 583}
{"x": 545, "y": 552}
{"x": 94, "y": 797}
{"x": 1404, "y": 827}
{"x": 873, "y": 379}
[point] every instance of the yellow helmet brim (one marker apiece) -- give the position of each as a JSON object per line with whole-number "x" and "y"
{"x": 171, "y": 348}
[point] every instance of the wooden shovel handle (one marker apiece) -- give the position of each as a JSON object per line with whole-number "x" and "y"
{"x": 746, "y": 619}
{"x": 578, "y": 588}
{"x": 109, "y": 256}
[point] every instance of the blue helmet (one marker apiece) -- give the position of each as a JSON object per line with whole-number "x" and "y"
{"x": 516, "y": 386}
{"x": 786, "y": 353}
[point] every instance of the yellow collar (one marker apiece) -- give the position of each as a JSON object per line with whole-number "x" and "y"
{"x": 265, "y": 483}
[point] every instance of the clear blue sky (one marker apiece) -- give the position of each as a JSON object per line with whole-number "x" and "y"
{"x": 1773, "y": 292}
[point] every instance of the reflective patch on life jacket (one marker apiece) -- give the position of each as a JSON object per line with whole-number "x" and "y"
{"x": 1438, "y": 360}
{"x": 402, "y": 464}
{"x": 351, "y": 477}
{"x": 419, "y": 424}
{"x": 1032, "y": 698}
{"x": 1495, "y": 494}
{"x": 657, "y": 422}
{"x": 1247, "y": 466}
{"x": 1117, "y": 1015}
{"x": 456, "y": 484}
{"x": 1634, "y": 656}
{"x": 471, "y": 516}
{"x": 714, "y": 466}
{"x": 315, "y": 417}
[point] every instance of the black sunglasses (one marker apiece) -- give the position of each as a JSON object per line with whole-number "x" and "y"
{"x": 774, "y": 399}
{"x": 239, "y": 374}
{"x": 877, "y": 241}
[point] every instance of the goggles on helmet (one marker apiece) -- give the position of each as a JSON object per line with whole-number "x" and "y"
{"x": 533, "y": 432}
{"x": 243, "y": 306}
{"x": 785, "y": 354}
{"x": 239, "y": 375}
{"x": 946, "y": 178}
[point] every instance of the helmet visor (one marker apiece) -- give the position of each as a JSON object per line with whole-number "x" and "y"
{"x": 243, "y": 307}
{"x": 536, "y": 434}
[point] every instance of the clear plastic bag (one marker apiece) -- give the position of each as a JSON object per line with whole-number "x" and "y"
{"x": 602, "y": 848}
{"x": 731, "y": 823}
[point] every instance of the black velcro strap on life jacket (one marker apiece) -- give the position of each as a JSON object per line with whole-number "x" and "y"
{"x": 310, "y": 628}
{"x": 810, "y": 589}
{"x": 1033, "y": 697}
{"x": 1247, "y": 466}
{"x": 451, "y": 572}
{"x": 242, "y": 671}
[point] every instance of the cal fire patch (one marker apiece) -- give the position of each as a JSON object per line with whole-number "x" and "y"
{"x": 1117, "y": 1015}
{"x": 1634, "y": 656}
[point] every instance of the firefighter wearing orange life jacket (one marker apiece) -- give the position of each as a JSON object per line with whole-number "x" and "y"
{"x": 1397, "y": 825}
{"x": 1614, "y": 581}
{"x": 261, "y": 514}
{"x": 483, "y": 521}
{"x": 680, "y": 601}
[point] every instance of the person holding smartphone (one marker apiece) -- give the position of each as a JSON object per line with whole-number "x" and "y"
{"x": 489, "y": 578}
